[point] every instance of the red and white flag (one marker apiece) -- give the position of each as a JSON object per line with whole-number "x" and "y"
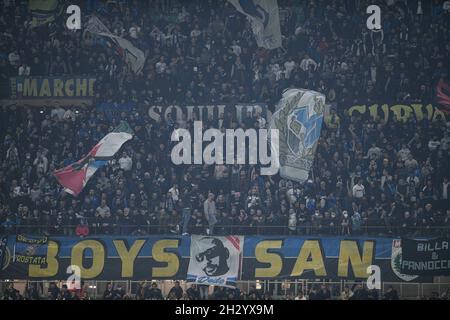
{"x": 75, "y": 176}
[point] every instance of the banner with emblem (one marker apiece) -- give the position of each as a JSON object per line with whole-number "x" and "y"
{"x": 298, "y": 118}
{"x": 30, "y": 249}
{"x": 3, "y": 246}
{"x": 396, "y": 261}
{"x": 215, "y": 260}
{"x": 204, "y": 259}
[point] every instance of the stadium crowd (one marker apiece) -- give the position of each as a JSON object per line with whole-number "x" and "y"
{"x": 369, "y": 177}
{"x": 150, "y": 291}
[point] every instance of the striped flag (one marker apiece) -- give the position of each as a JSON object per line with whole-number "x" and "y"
{"x": 75, "y": 176}
{"x": 443, "y": 95}
{"x": 133, "y": 56}
{"x": 264, "y": 18}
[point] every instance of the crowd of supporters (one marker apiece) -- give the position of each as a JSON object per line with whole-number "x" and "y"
{"x": 151, "y": 291}
{"x": 369, "y": 177}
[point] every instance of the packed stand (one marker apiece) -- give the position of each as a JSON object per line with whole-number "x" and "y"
{"x": 369, "y": 177}
{"x": 151, "y": 291}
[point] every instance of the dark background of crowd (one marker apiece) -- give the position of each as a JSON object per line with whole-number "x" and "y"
{"x": 151, "y": 291}
{"x": 204, "y": 52}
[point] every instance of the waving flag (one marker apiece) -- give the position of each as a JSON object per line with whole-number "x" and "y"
{"x": 133, "y": 56}
{"x": 75, "y": 176}
{"x": 299, "y": 119}
{"x": 43, "y": 11}
{"x": 264, "y": 18}
{"x": 443, "y": 95}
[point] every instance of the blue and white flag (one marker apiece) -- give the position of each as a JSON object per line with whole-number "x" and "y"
{"x": 264, "y": 18}
{"x": 215, "y": 260}
{"x": 298, "y": 118}
{"x": 133, "y": 56}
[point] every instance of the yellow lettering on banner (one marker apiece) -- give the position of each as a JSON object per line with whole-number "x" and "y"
{"x": 373, "y": 111}
{"x": 438, "y": 114}
{"x": 402, "y": 112}
{"x": 263, "y": 256}
{"x": 360, "y": 109}
{"x": 310, "y": 258}
{"x": 385, "y": 109}
{"x": 417, "y": 111}
{"x": 29, "y": 88}
{"x": 58, "y": 86}
{"x": 128, "y": 256}
{"x": 430, "y": 110}
{"x": 98, "y": 258}
{"x": 160, "y": 255}
{"x": 349, "y": 252}
{"x": 91, "y": 87}
{"x": 45, "y": 89}
{"x": 69, "y": 87}
{"x": 81, "y": 87}
{"x": 51, "y": 269}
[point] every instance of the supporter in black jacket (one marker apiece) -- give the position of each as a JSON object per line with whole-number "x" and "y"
{"x": 153, "y": 293}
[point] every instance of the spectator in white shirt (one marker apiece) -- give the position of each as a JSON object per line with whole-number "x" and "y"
{"x": 236, "y": 48}
{"x": 358, "y": 190}
{"x": 306, "y": 62}
{"x": 434, "y": 144}
{"x": 24, "y": 70}
{"x": 175, "y": 193}
{"x": 161, "y": 66}
{"x": 102, "y": 210}
{"x": 125, "y": 162}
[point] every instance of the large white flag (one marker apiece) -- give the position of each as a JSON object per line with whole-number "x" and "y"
{"x": 215, "y": 260}
{"x": 299, "y": 119}
{"x": 132, "y": 55}
{"x": 264, "y": 18}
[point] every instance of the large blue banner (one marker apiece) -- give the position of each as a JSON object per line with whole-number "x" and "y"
{"x": 168, "y": 257}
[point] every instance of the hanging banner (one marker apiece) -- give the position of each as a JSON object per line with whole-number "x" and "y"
{"x": 202, "y": 112}
{"x": 298, "y": 118}
{"x": 396, "y": 261}
{"x": 30, "y": 250}
{"x": 403, "y": 112}
{"x": 215, "y": 260}
{"x": 426, "y": 257}
{"x": 51, "y": 91}
{"x": 3, "y": 245}
{"x": 43, "y": 11}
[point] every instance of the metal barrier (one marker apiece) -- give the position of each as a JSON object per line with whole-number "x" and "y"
{"x": 117, "y": 229}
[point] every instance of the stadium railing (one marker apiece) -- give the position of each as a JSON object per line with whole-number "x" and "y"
{"x": 118, "y": 229}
